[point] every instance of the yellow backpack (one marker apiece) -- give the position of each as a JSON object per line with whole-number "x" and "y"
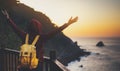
{"x": 28, "y": 53}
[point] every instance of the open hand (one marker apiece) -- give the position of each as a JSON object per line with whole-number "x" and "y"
{"x": 72, "y": 20}
{"x": 6, "y": 14}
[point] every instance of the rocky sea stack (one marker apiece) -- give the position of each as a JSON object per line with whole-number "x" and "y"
{"x": 21, "y": 14}
{"x": 100, "y": 44}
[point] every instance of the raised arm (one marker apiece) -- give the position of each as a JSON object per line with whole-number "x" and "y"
{"x": 18, "y": 31}
{"x": 59, "y": 29}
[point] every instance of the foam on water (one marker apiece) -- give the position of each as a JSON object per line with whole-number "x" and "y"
{"x": 105, "y": 58}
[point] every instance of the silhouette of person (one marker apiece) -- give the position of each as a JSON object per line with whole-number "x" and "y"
{"x": 35, "y": 28}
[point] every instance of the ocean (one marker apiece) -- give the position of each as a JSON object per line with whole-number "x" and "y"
{"x": 106, "y": 58}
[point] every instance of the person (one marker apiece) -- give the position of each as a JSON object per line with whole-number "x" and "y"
{"x": 35, "y": 28}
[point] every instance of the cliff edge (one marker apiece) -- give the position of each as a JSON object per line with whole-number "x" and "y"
{"x": 65, "y": 48}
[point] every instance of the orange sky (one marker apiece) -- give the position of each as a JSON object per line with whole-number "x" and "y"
{"x": 97, "y": 18}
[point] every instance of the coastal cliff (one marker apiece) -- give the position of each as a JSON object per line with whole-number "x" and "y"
{"x": 21, "y": 14}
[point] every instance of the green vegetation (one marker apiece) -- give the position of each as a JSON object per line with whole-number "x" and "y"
{"x": 21, "y": 14}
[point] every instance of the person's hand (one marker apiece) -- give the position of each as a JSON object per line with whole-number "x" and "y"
{"x": 6, "y": 14}
{"x": 72, "y": 20}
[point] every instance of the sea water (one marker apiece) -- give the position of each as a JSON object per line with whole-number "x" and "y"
{"x": 106, "y": 58}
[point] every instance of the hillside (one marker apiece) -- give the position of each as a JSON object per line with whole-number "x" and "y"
{"x": 65, "y": 48}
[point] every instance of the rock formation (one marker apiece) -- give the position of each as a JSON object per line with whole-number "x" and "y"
{"x": 100, "y": 44}
{"x": 21, "y": 14}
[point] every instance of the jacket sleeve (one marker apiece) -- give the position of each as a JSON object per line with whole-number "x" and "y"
{"x": 18, "y": 31}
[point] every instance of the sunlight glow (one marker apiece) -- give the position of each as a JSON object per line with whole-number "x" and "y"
{"x": 97, "y": 18}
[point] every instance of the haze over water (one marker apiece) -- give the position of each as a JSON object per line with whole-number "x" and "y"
{"x": 105, "y": 58}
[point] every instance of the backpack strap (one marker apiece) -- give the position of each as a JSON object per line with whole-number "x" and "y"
{"x": 35, "y": 40}
{"x": 27, "y": 39}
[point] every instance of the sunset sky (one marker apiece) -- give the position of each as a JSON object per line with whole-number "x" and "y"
{"x": 97, "y": 18}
